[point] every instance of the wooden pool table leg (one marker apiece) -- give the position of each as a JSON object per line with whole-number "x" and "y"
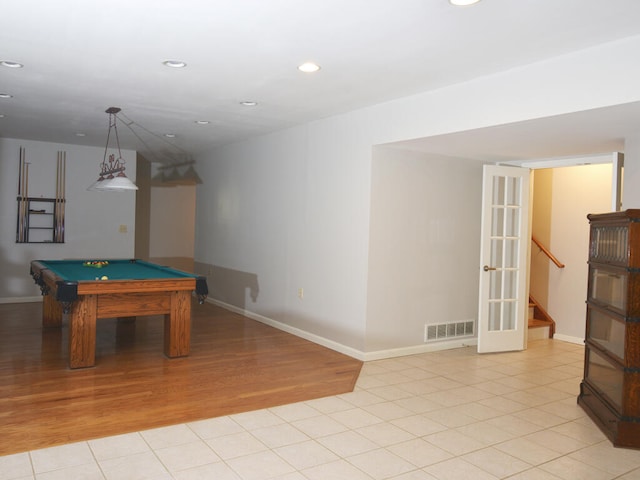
{"x": 51, "y": 312}
{"x": 82, "y": 332}
{"x": 177, "y": 325}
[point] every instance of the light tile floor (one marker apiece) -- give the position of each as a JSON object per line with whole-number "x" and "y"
{"x": 445, "y": 415}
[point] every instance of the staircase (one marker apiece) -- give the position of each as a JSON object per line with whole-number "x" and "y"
{"x": 541, "y": 325}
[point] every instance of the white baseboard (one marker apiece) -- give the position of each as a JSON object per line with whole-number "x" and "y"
{"x": 21, "y": 299}
{"x": 569, "y": 339}
{"x": 416, "y": 349}
{"x": 338, "y": 347}
{"x": 325, "y": 342}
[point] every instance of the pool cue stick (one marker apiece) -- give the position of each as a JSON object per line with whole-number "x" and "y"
{"x": 18, "y": 227}
{"x": 58, "y": 194}
{"x": 59, "y": 197}
{"x": 56, "y": 206}
{"x": 26, "y": 197}
{"x": 63, "y": 181}
{"x": 22, "y": 195}
{"x": 55, "y": 200}
{"x": 24, "y": 168}
{"x": 23, "y": 198}
{"x": 64, "y": 193}
{"x": 59, "y": 182}
{"x": 20, "y": 173}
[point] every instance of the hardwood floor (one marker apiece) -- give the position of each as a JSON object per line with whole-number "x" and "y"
{"x": 236, "y": 365}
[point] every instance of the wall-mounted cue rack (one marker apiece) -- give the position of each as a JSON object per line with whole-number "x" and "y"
{"x": 41, "y": 220}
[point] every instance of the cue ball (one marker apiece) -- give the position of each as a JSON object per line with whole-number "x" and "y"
{"x": 104, "y": 277}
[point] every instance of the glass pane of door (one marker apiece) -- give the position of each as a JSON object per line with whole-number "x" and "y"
{"x": 504, "y": 253}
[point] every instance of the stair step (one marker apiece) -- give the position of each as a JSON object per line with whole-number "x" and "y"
{"x": 535, "y": 323}
{"x": 539, "y": 329}
{"x": 540, "y": 326}
{"x": 538, "y": 333}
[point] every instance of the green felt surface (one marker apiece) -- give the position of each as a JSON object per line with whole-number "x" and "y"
{"x": 74, "y": 270}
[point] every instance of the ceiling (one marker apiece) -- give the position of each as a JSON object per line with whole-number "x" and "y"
{"x": 81, "y": 57}
{"x": 585, "y": 133}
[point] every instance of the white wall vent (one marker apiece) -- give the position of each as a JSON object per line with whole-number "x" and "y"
{"x": 442, "y": 331}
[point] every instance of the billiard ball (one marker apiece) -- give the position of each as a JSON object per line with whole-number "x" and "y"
{"x": 104, "y": 277}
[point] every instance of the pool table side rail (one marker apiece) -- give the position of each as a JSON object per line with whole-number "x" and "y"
{"x": 67, "y": 290}
{"x": 201, "y": 288}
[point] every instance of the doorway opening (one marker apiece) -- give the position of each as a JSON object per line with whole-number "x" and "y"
{"x": 562, "y": 195}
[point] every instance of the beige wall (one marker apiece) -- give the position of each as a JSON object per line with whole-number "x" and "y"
{"x": 172, "y": 221}
{"x": 541, "y": 229}
{"x": 567, "y": 195}
{"x": 165, "y": 220}
{"x": 143, "y": 207}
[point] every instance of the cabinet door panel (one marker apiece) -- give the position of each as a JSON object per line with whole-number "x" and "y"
{"x": 606, "y": 331}
{"x": 608, "y": 287}
{"x": 605, "y": 377}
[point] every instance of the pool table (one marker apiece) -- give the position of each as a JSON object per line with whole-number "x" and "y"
{"x": 129, "y": 288}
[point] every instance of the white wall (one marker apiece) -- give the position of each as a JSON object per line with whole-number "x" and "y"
{"x": 577, "y": 191}
{"x": 631, "y": 175}
{"x": 424, "y": 245}
{"x": 292, "y": 207}
{"x": 92, "y": 219}
{"x": 569, "y": 83}
{"x": 285, "y": 212}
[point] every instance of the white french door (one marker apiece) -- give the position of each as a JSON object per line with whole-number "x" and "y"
{"x": 503, "y": 298}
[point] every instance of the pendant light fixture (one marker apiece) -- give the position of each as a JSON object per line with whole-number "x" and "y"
{"x": 112, "y": 177}
{"x": 169, "y": 175}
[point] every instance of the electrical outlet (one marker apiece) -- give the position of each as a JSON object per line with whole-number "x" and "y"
{"x": 122, "y": 229}
{"x": 301, "y": 293}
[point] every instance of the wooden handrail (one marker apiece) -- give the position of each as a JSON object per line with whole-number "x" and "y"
{"x": 546, "y": 251}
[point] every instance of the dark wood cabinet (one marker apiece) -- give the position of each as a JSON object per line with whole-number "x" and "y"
{"x": 610, "y": 389}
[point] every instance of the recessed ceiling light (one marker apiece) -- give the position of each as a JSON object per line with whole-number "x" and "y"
{"x": 7, "y": 63}
{"x": 1, "y": 115}
{"x": 463, "y": 3}
{"x": 202, "y": 122}
{"x": 309, "y": 67}
{"x": 174, "y": 63}
{"x": 80, "y": 134}
{"x": 170, "y": 135}
{"x": 5, "y": 95}
{"x": 249, "y": 103}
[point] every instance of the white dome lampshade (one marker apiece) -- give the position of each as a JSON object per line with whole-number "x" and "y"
{"x": 118, "y": 183}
